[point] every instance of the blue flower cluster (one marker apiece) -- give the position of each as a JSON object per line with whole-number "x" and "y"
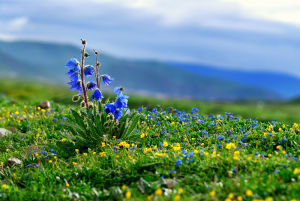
{"x": 74, "y": 72}
{"x": 77, "y": 73}
{"x": 76, "y": 84}
{"x": 119, "y": 104}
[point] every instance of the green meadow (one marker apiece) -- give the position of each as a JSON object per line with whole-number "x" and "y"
{"x": 169, "y": 155}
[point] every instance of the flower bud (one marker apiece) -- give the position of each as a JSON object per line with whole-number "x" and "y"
{"x": 98, "y": 64}
{"x": 82, "y": 104}
{"x": 83, "y": 42}
{"x": 86, "y": 54}
{"x": 76, "y": 98}
{"x": 96, "y": 52}
{"x": 91, "y": 105}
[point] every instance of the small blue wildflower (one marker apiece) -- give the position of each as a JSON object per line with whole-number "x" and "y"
{"x": 54, "y": 119}
{"x": 29, "y": 165}
{"x": 192, "y": 154}
{"x": 118, "y": 91}
{"x": 88, "y": 71}
{"x": 121, "y": 102}
{"x": 184, "y": 152}
{"x": 97, "y": 95}
{"x": 178, "y": 162}
{"x": 194, "y": 110}
{"x": 109, "y": 108}
{"x": 234, "y": 170}
{"x": 91, "y": 85}
{"x": 75, "y": 86}
{"x": 117, "y": 114}
{"x": 73, "y": 64}
{"x": 107, "y": 79}
{"x": 220, "y": 137}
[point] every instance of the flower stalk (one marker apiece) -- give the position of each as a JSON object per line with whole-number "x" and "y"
{"x": 82, "y": 73}
{"x": 97, "y": 69}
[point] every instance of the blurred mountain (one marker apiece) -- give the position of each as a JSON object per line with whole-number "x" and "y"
{"x": 285, "y": 85}
{"x": 45, "y": 62}
{"x": 296, "y": 100}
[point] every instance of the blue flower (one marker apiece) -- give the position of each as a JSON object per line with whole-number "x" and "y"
{"x": 73, "y": 64}
{"x": 178, "y": 162}
{"x": 220, "y": 137}
{"x": 88, "y": 71}
{"x": 121, "y": 102}
{"x": 118, "y": 91}
{"x": 97, "y": 95}
{"x": 91, "y": 85}
{"x": 107, "y": 79}
{"x": 75, "y": 86}
{"x": 110, "y": 108}
{"x": 73, "y": 72}
{"x": 117, "y": 114}
{"x": 194, "y": 110}
{"x": 234, "y": 170}
{"x": 74, "y": 77}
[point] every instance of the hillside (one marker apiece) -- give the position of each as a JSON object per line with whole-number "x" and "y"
{"x": 285, "y": 85}
{"x": 45, "y": 61}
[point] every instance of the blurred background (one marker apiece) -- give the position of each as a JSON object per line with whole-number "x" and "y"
{"x": 217, "y": 55}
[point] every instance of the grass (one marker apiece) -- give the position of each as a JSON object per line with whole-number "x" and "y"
{"x": 171, "y": 155}
{"x": 32, "y": 93}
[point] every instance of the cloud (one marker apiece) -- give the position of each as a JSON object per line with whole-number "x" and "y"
{"x": 15, "y": 24}
{"x": 7, "y": 37}
{"x": 287, "y": 11}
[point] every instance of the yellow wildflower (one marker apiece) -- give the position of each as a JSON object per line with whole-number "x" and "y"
{"x": 128, "y": 194}
{"x": 158, "y": 192}
{"x": 212, "y": 193}
{"x": 249, "y": 193}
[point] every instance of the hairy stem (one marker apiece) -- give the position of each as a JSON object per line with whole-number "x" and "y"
{"x": 82, "y": 77}
{"x": 97, "y": 72}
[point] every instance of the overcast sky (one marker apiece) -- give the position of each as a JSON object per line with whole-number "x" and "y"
{"x": 244, "y": 34}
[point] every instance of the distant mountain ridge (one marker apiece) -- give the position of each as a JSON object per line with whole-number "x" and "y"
{"x": 45, "y": 61}
{"x": 286, "y": 85}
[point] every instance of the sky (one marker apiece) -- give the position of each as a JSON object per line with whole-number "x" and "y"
{"x": 260, "y": 35}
